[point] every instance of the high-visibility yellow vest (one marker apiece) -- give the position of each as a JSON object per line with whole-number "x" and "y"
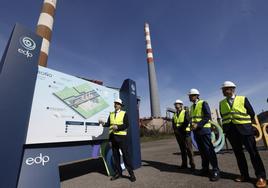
{"x": 237, "y": 113}
{"x": 196, "y": 114}
{"x": 119, "y": 121}
{"x": 178, "y": 119}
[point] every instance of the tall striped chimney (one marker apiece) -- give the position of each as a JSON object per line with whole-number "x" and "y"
{"x": 154, "y": 98}
{"x": 44, "y": 28}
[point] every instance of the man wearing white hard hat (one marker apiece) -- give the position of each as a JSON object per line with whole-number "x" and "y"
{"x": 200, "y": 117}
{"x": 180, "y": 124}
{"x": 118, "y": 124}
{"x": 237, "y": 118}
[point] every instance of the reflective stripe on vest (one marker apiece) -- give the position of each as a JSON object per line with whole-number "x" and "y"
{"x": 178, "y": 119}
{"x": 119, "y": 121}
{"x": 236, "y": 114}
{"x": 196, "y": 114}
{"x": 188, "y": 129}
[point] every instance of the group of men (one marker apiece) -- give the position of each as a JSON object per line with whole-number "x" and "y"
{"x": 237, "y": 119}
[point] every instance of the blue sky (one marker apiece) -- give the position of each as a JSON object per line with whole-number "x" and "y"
{"x": 197, "y": 44}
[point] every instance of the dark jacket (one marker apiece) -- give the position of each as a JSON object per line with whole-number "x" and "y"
{"x": 244, "y": 129}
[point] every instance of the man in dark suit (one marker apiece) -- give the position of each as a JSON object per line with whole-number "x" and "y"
{"x": 200, "y": 124}
{"x": 118, "y": 124}
{"x": 181, "y": 127}
{"x": 237, "y": 118}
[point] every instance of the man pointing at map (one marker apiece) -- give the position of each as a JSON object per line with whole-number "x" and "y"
{"x": 118, "y": 124}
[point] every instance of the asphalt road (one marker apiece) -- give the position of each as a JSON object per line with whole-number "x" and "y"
{"x": 160, "y": 160}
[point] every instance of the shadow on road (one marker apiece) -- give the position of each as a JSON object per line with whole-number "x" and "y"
{"x": 179, "y": 153}
{"x": 73, "y": 170}
{"x": 224, "y": 151}
{"x": 164, "y": 167}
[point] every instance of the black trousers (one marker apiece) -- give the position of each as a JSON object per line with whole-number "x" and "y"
{"x": 237, "y": 141}
{"x": 120, "y": 142}
{"x": 185, "y": 143}
{"x": 207, "y": 152}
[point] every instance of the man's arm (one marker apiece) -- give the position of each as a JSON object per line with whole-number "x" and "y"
{"x": 125, "y": 125}
{"x": 173, "y": 124}
{"x": 220, "y": 110}
{"x": 250, "y": 110}
{"x": 206, "y": 113}
{"x": 220, "y": 115}
{"x": 186, "y": 119}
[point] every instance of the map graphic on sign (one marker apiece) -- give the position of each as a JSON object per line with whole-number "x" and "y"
{"x": 82, "y": 99}
{"x": 66, "y": 108}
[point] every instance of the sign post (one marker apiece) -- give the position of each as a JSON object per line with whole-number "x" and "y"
{"x": 19, "y": 66}
{"x": 128, "y": 93}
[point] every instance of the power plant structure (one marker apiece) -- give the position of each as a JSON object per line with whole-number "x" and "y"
{"x": 154, "y": 98}
{"x": 44, "y": 29}
{"x": 155, "y": 122}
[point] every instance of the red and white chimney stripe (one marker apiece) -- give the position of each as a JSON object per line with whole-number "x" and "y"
{"x": 149, "y": 50}
{"x": 44, "y": 28}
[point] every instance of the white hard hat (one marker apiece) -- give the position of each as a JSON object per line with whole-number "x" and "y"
{"x": 118, "y": 101}
{"x": 193, "y": 92}
{"x": 228, "y": 84}
{"x": 178, "y": 101}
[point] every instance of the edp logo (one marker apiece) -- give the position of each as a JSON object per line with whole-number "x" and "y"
{"x": 25, "y": 52}
{"x": 28, "y": 45}
{"x": 37, "y": 160}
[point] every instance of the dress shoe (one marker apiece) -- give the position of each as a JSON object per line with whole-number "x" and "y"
{"x": 215, "y": 176}
{"x": 192, "y": 165}
{"x": 261, "y": 183}
{"x": 115, "y": 177}
{"x": 192, "y": 168}
{"x": 242, "y": 179}
{"x": 132, "y": 178}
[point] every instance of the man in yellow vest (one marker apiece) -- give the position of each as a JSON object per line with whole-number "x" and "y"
{"x": 118, "y": 124}
{"x": 237, "y": 118}
{"x": 200, "y": 117}
{"x": 181, "y": 127}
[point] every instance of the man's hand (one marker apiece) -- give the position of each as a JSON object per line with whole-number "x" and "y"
{"x": 193, "y": 126}
{"x": 101, "y": 122}
{"x": 114, "y": 127}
